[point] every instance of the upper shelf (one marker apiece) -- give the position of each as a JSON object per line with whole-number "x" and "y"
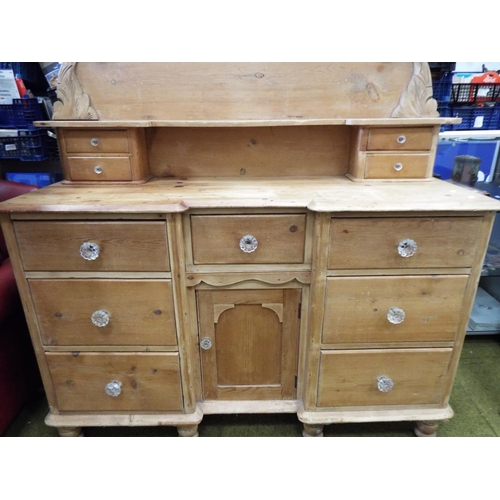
{"x": 247, "y": 123}
{"x": 244, "y": 94}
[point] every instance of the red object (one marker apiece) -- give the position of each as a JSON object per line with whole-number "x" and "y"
{"x": 19, "y": 374}
{"x": 21, "y": 88}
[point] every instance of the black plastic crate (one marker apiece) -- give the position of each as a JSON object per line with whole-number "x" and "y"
{"x": 445, "y": 91}
{"x": 21, "y": 113}
{"x": 473, "y": 117}
{"x": 51, "y": 147}
{"x": 25, "y": 145}
{"x": 468, "y": 93}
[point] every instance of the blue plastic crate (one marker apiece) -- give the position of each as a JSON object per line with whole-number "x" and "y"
{"x": 21, "y": 113}
{"x": 24, "y": 145}
{"x": 473, "y": 118}
{"x": 34, "y": 179}
{"x": 441, "y": 88}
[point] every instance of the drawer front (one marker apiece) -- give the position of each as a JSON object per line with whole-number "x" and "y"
{"x": 396, "y": 166}
{"x": 135, "y": 381}
{"x": 359, "y": 378}
{"x": 104, "y": 312}
{"x": 271, "y": 239}
{"x": 395, "y": 139}
{"x": 380, "y": 243}
{"x": 96, "y": 141}
{"x": 393, "y": 308}
{"x": 122, "y": 246}
{"x": 100, "y": 168}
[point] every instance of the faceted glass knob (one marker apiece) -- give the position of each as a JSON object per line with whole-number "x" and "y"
{"x": 407, "y": 248}
{"x": 98, "y": 169}
{"x": 113, "y": 389}
{"x": 206, "y": 343}
{"x": 248, "y": 243}
{"x": 89, "y": 250}
{"x": 395, "y": 315}
{"x": 94, "y": 142}
{"x": 384, "y": 384}
{"x": 100, "y": 318}
{"x": 398, "y": 166}
{"x": 401, "y": 139}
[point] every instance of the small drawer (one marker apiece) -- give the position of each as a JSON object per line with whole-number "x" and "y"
{"x": 92, "y": 246}
{"x": 100, "y": 168}
{"x": 104, "y": 312}
{"x": 396, "y": 166}
{"x": 249, "y": 239}
{"x": 96, "y": 141}
{"x": 406, "y": 242}
{"x": 388, "y": 139}
{"x": 116, "y": 381}
{"x": 393, "y": 308}
{"x": 382, "y": 377}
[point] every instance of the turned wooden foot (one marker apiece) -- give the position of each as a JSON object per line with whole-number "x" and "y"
{"x": 313, "y": 430}
{"x": 426, "y": 429}
{"x": 70, "y": 431}
{"x": 188, "y": 430}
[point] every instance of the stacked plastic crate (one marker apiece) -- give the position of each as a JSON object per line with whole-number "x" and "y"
{"x": 19, "y": 139}
{"x": 474, "y": 97}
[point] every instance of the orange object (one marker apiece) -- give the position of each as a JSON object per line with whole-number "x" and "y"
{"x": 486, "y": 87}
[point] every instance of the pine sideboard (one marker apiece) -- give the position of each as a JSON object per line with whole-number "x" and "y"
{"x": 247, "y": 238}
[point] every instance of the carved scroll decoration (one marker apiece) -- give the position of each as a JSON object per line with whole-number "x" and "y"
{"x": 232, "y": 279}
{"x": 416, "y": 101}
{"x": 72, "y": 103}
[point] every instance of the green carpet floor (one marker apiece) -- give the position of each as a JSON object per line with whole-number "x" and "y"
{"x": 475, "y": 400}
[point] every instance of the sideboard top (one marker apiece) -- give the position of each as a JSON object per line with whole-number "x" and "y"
{"x": 243, "y": 94}
{"x": 319, "y": 194}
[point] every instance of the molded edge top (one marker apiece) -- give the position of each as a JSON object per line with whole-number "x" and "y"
{"x": 247, "y": 123}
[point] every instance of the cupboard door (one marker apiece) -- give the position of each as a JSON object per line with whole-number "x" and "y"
{"x": 249, "y": 343}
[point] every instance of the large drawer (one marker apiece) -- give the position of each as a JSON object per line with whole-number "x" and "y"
{"x": 104, "y": 312}
{"x": 393, "y": 308}
{"x": 267, "y": 239}
{"x": 381, "y": 243}
{"x": 122, "y": 246}
{"x": 116, "y": 381}
{"x": 96, "y": 141}
{"x": 406, "y": 139}
{"x": 383, "y": 377}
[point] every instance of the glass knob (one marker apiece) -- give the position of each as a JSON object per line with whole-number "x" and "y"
{"x": 407, "y": 248}
{"x": 113, "y": 389}
{"x": 248, "y": 243}
{"x": 100, "y": 318}
{"x": 98, "y": 169}
{"x": 94, "y": 142}
{"x": 395, "y": 315}
{"x": 398, "y": 166}
{"x": 401, "y": 139}
{"x": 206, "y": 343}
{"x": 89, "y": 250}
{"x": 384, "y": 384}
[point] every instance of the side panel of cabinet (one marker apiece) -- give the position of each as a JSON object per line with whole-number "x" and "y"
{"x": 249, "y": 343}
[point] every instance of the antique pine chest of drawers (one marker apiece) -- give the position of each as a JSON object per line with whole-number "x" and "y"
{"x": 258, "y": 237}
